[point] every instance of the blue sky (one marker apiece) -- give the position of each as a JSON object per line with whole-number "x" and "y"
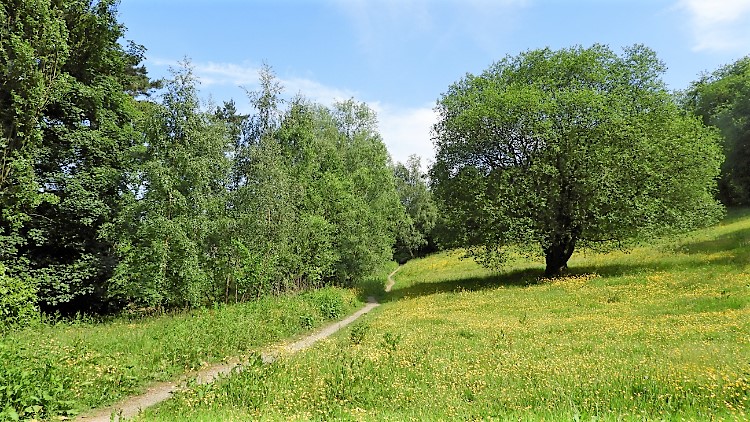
{"x": 400, "y": 55}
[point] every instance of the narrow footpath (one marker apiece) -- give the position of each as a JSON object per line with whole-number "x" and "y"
{"x": 157, "y": 393}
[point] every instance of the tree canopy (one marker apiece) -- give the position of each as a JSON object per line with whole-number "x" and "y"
{"x": 722, "y": 99}
{"x": 415, "y": 235}
{"x": 67, "y": 113}
{"x": 112, "y": 196}
{"x": 226, "y": 207}
{"x": 569, "y": 148}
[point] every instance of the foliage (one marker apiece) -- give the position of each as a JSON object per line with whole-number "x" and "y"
{"x": 421, "y": 213}
{"x": 722, "y": 99}
{"x": 261, "y": 204}
{"x": 177, "y": 195}
{"x": 68, "y": 367}
{"x": 67, "y": 123}
{"x": 17, "y": 302}
{"x": 366, "y": 205}
{"x": 108, "y": 201}
{"x": 330, "y": 303}
{"x": 228, "y": 207}
{"x": 569, "y": 148}
{"x": 32, "y": 386}
{"x": 659, "y": 333}
{"x": 304, "y": 180}
{"x": 33, "y": 50}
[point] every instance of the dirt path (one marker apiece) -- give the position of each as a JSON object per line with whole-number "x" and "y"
{"x": 158, "y": 393}
{"x": 391, "y": 281}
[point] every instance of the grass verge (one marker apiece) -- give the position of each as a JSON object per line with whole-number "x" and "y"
{"x": 659, "y": 333}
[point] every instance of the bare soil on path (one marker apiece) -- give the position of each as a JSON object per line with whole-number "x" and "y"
{"x": 391, "y": 281}
{"x": 157, "y": 393}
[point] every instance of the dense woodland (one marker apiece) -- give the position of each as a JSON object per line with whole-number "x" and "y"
{"x": 119, "y": 191}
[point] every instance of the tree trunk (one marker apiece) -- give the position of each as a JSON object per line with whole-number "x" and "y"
{"x": 557, "y": 255}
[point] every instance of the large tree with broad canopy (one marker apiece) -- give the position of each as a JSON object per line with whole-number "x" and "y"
{"x": 578, "y": 147}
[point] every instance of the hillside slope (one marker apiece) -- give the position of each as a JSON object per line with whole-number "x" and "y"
{"x": 660, "y": 332}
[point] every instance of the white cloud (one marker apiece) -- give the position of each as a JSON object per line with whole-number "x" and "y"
{"x": 211, "y": 73}
{"x": 718, "y": 25}
{"x": 217, "y": 77}
{"x": 316, "y": 91}
{"x": 246, "y": 75}
{"x": 406, "y": 131}
{"x": 383, "y": 26}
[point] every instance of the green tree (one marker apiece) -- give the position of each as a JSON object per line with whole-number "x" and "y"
{"x": 17, "y": 302}
{"x": 370, "y": 210}
{"x": 176, "y": 202}
{"x": 313, "y": 198}
{"x": 282, "y": 199}
{"x": 33, "y": 50}
{"x": 263, "y": 198}
{"x": 572, "y": 148}
{"x": 722, "y": 99}
{"x": 311, "y": 259}
{"x": 421, "y": 212}
{"x": 67, "y": 122}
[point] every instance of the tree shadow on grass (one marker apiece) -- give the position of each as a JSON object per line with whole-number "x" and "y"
{"x": 371, "y": 287}
{"x": 526, "y": 278}
{"x": 737, "y": 241}
{"x": 729, "y": 250}
{"x": 515, "y": 279}
{"x": 520, "y": 278}
{"x": 620, "y": 270}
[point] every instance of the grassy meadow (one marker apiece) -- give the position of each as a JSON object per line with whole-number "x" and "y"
{"x": 658, "y": 333}
{"x": 58, "y": 369}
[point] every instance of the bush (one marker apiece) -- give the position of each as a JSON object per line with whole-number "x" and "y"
{"x": 330, "y": 303}
{"x": 31, "y": 386}
{"x": 17, "y": 302}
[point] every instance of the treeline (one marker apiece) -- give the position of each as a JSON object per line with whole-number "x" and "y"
{"x": 222, "y": 207}
{"x": 722, "y": 100}
{"x": 114, "y": 196}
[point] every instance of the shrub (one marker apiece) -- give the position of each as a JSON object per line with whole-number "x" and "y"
{"x": 32, "y": 386}
{"x": 17, "y": 302}
{"x": 330, "y": 303}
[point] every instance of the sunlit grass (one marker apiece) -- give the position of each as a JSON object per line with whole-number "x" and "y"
{"x": 81, "y": 364}
{"x": 660, "y": 332}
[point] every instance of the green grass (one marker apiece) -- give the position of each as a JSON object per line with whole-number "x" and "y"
{"x": 59, "y": 369}
{"x": 658, "y": 333}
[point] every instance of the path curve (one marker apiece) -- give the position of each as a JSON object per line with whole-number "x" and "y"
{"x": 391, "y": 281}
{"x": 157, "y": 393}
